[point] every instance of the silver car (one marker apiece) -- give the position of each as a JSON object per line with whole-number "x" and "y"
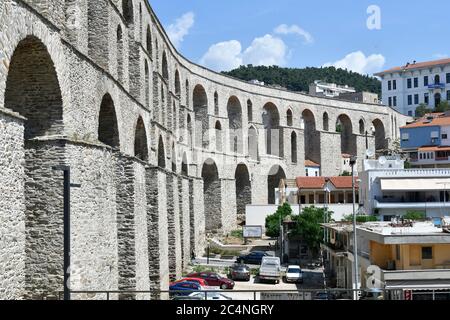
{"x": 294, "y": 274}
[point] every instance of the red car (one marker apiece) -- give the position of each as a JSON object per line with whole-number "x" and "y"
{"x": 214, "y": 280}
{"x": 200, "y": 281}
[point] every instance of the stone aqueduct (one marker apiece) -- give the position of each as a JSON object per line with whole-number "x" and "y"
{"x": 165, "y": 150}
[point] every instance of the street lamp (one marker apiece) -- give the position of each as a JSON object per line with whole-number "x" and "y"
{"x": 353, "y": 160}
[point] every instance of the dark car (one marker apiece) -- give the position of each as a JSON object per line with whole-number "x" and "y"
{"x": 184, "y": 288}
{"x": 214, "y": 280}
{"x": 254, "y": 257}
{"x": 240, "y": 272}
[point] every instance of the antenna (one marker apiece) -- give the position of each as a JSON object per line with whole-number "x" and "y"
{"x": 382, "y": 160}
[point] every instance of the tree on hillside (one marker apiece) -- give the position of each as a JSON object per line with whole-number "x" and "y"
{"x": 273, "y": 221}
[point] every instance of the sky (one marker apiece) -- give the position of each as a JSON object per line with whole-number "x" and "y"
{"x": 362, "y": 36}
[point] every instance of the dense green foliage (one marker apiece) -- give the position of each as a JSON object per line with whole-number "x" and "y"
{"x": 415, "y": 215}
{"x": 423, "y": 109}
{"x": 360, "y": 218}
{"x": 300, "y": 79}
{"x": 309, "y": 226}
{"x": 273, "y": 221}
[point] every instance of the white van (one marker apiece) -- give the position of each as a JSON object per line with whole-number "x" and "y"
{"x": 270, "y": 269}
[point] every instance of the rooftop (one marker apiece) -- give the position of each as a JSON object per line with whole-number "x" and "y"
{"x": 430, "y": 120}
{"x": 315, "y": 183}
{"x": 309, "y": 163}
{"x": 396, "y": 229}
{"x": 415, "y": 66}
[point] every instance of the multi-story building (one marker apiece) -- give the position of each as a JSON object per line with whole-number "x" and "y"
{"x": 427, "y": 141}
{"x": 388, "y": 190}
{"x": 330, "y": 90}
{"x": 364, "y": 96}
{"x": 405, "y": 88}
{"x": 411, "y": 257}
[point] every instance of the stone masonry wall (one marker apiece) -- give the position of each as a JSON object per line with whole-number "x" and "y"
{"x": 12, "y": 207}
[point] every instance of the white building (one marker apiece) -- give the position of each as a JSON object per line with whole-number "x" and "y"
{"x": 330, "y": 90}
{"x": 388, "y": 190}
{"x": 404, "y": 88}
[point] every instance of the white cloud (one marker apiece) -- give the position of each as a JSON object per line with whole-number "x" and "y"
{"x": 294, "y": 29}
{"x": 358, "y": 62}
{"x": 223, "y": 56}
{"x": 178, "y": 30}
{"x": 228, "y": 55}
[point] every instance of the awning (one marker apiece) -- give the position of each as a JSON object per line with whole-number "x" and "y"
{"x": 416, "y": 184}
{"x": 437, "y": 284}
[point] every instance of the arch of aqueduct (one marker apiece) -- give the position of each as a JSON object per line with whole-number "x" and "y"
{"x": 165, "y": 150}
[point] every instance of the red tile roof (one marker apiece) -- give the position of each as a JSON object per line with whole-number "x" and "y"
{"x": 438, "y": 120}
{"x": 309, "y": 163}
{"x": 434, "y": 149}
{"x": 319, "y": 182}
{"x": 413, "y": 66}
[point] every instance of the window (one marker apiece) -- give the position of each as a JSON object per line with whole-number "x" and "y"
{"x": 405, "y": 136}
{"x": 416, "y": 82}
{"x": 395, "y": 101}
{"x": 394, "y": 84}
{"x": 427, "y": 253}
{"x": 437, "y": 79}
{"x": 307, "y": 172}
{"x": 425, "y": 81}
{"x": 409, "y": 83}
{"x": 389, "y": 85}
{"x": 416, "y": 99}
{"x": 448, "y": 95}
{"x": 410, "y": 113}
{"x": 390, "y": 101}
{"x": 409, "y": 100}
{"x": 444, "y": 136}
{"x": 426, "y": 98}
{"x": 448, "y": 77}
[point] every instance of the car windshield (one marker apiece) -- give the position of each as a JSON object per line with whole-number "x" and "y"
{"x": 294, "y": 270}
{"x": 273, "y": 264}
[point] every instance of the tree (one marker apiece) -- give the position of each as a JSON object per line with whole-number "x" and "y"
{"x": 442, "y": 107}
{"x": 422, "y": 110}
{"x": 273, "y": 221}
{"x": 309, "y": 227}
{"x": 360, "y": 218}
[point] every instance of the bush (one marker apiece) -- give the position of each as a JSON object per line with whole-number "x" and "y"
{"x": 361, "y": 219}
{"x": 415, "y": 215}
{"x": 237, "y": 234}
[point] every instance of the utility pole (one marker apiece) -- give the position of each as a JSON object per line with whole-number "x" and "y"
{"x": 355, "y": 238}
{"x": 66, "y": 223}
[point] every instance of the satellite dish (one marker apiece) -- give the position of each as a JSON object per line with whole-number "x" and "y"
{"x": 382, "y": 160}
{"x": 370, "y": 153}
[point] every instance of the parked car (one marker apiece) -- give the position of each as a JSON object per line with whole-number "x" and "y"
{"x": 200, "y": 281}
{"x": 208, "y": 296}
{"x": 323, "y": 295}
{"x": 214, "y": 280}
{"x": 254, "y": 257}
{"x": 372, "y": 294}
{"x": 294, "y": 274}
{"x": 240, "y": 272}
{"x": 270, "y": 269}
{"x": 184, "y": 288}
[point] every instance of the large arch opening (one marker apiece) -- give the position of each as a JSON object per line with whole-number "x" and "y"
{"x": 273, "y": 131}
{"x": 140, "y": 141}
{"x": 165, "y": 67}
{"x": 253, "y": 150}
{"x": 200, "y": 100}
{"x": 311, "y": 137}
{"x": 243, "y": 190}
{"x": 344, "y": 126}
{"x": 380, "y": 135}
{"x": 212, "y": 194}
{"x": 276, "y": 174}
{"x": 108, "y": 130}
{"x": 161, "y": 153}
{"x": 33, "y": 90}
{"x": 127, "y": 9}
{"x": 234, "y": 110}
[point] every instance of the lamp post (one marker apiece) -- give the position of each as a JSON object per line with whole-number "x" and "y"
{"x": 353, "y": 160}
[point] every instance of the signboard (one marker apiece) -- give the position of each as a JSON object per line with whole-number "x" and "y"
{"x": 254, "y": 232}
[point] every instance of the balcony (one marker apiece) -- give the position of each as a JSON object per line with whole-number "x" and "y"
{"x": 436, "y": 86}
{"x": 406, "y": 204}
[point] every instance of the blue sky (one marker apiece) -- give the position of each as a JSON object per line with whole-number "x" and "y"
{"x": 222, "y": 34}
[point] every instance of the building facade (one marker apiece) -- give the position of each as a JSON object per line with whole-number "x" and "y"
{"x": 165, "y": 150}
{"x": 330, "y": 90}
{"x": 405, "y": 88}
